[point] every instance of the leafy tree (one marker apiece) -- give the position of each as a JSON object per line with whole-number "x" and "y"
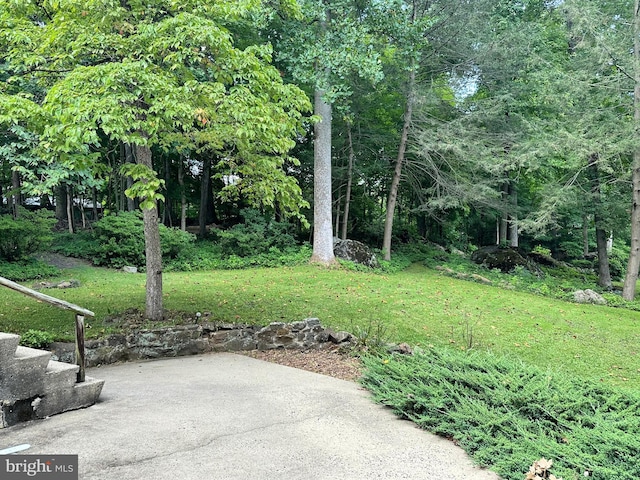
{"x": 152, "y": 74}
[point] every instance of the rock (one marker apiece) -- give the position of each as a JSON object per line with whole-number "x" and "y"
{"x": 339, "y": 337}
{"x": 502, "y": 258}
{"x": 178, "y": 340}
{"x": 455, "y": 251}
{"x": 355, "y": 251}
{"x": 588, "y": 296}
{"x": 480, "y": 278}
{"x": 64, "y": 284}
{"x": 129, "y": 269}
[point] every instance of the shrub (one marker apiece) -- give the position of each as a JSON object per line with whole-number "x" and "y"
{"x": 25, "y": 235}
{"x": 36, "y": 339}
{"x": 27, "y": 269}
{"x": 506, "y": 414}
{"x": 255, "y": 235}
{"x": 120, "y": 240}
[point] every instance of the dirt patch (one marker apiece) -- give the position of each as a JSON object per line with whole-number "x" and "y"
{"x": 326, "y": 362}
{"x": 62, "y": 262}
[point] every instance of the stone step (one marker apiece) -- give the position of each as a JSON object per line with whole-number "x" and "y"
{"x": 59, "y": 375}
{"x": 8, "y": 344}
{"x": 23, "y": 375}
{"x": 80, "y": 395}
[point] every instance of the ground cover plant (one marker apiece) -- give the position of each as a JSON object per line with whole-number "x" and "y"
{"x": 507, "y": 414}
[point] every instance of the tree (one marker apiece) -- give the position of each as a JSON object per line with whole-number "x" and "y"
{"x": 151, "y": 75}
{"x": 332, "y": 41}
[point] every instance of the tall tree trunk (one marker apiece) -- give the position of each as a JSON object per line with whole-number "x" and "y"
{"x": 504, "y": 219}
{"x": 183, "y": 196}
{"x": 585, "y": 235}
{"x": 629, "y": 288}
{"x": 129, "y": 157}
{"x": 166, "y": 212}
{"x": 60, "y": 197}
{"x": 204, "y": 197}
{"x": 70, "y": 221}
{"x": 153, "y": 253}
{"x": 347, "y": 195}
{"x": 604, "y": 275}
{"x": 397, "y": 172}
{"x": 94, "y": 193}
{"x": 16, "y": 196}
{"x": 322, "y": 205}
{"x": 513, "y": 217}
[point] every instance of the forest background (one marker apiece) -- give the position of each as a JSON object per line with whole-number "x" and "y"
{"x": 460, "y": 123}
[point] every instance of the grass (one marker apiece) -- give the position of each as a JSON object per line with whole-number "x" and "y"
{"x": 418, "y": 305}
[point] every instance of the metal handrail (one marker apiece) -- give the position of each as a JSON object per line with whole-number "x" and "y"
{"x": 79, "y": 311}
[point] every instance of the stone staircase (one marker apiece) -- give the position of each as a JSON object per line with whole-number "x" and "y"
{"x": 33, "y": 386}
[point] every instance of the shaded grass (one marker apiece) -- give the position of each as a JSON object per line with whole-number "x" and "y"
{"x": 417, "y": 305}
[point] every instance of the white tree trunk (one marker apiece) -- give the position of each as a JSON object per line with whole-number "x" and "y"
{"x": 322, "y": 224}
{"x": 629, "y": 288}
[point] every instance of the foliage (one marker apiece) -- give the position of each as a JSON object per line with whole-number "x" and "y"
{"x": 256, "y": 235}
{"x": 208, "y": 256}
{"x": 27, "y": 269}
{"x": 506, "y": 414}
{"x": 25, "y": 235}
{"x": 118, "y": 240}
{"x": 36, "y": 338}
{"x": 371, "y": 338}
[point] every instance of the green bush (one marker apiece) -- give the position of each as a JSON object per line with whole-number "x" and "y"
{"x": 36, "y": 339}
{"x": 256, "y": 235}
{"x": 506, "y": 414}
{"x": 27, "y": 269}
{"x": 118, "y": 240}
{"x": 23, "y": 236}
{"x": 121, "y": 240}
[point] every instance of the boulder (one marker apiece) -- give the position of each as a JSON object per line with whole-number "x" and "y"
{"x": 354, "y": 251}
{"x": 502, "y": 258}
{"x": 588, "y": 296}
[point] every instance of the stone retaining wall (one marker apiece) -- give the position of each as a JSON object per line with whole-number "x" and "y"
{"x": 202, "y": 338}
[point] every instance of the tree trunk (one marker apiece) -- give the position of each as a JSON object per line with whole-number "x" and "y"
{"x": 95, "y": 203}
{"x": 322, "y": 205}
{"x": 604, "y": 275}
{"x": 204, "y": 197}
{"x": 513, "y": 218}
{"x": 585, "y": 235}
{"x": 70, "y": 209}
{"x": 629, "y": 288}
{"x": 129, "y": 158}
{"x": 166, "y": 212}
{"x": 60, "y": 197}
{"x": 16, "y": 197}
{"x": 183, "y": 196}
{"x": 153, "y": 253}
{"x": 347, "y": 195}
{"x": 397, "y": 172}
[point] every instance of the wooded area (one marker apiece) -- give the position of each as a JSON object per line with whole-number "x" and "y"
{"x": 460, "y": 122}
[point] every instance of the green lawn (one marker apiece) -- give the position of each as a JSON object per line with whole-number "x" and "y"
{"x": 418, "y": 306}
